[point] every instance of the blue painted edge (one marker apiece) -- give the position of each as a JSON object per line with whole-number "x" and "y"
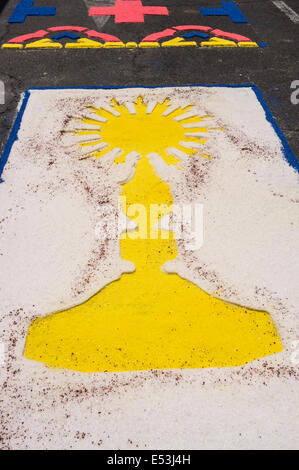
{"x": 26, "y": 8}
{"x": 13, "y": 137}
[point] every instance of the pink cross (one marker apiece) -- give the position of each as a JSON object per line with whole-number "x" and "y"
{"x": 128, "y": 11}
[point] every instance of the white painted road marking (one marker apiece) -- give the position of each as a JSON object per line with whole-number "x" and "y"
{"x": 287, "y": 10}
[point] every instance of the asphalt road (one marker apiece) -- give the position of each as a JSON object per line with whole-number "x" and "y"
{"x": 271, "y": 68}
{"x": 250, "y": 407}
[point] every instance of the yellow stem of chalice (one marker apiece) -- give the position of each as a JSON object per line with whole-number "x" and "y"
{"x": 149, "y": 319}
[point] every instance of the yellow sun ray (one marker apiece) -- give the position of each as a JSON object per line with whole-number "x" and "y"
{"x": 151, "y": 107}
{"x": 169, "y": 110}
{"x": 200, "y": 135}
{"x": 110, "y": 110}
{"x": 94, "y": 152}
{"x": 175, "y": 111}
{"x": 204, "y": 155}
{"x": 193, "y": 125}
{"x": 87, "y": 132}
{"x": 124, "y": 126}
{"x": 102, "y": 114}
{"x": 200, "y": 140}
{"x": 185, "y": 116}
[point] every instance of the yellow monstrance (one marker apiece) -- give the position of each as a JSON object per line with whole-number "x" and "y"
{"x": 149, "y": 319}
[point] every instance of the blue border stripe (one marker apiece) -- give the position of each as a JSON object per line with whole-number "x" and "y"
{"x": 286, "y": 149}
{"x": 13, "y": 137}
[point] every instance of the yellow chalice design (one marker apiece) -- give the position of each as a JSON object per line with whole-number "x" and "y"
{"x": 150, "y": 319}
